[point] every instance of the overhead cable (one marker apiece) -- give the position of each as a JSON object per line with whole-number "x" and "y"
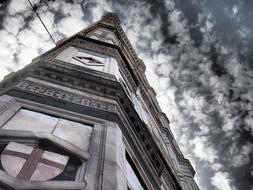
{"x": 41, "y": 21}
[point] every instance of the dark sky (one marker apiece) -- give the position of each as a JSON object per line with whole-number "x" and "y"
{"x": 199, "y": 58}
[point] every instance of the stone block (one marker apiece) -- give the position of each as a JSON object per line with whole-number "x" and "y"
{"x": 26, "y": 120}
{"x": 75, "y": 133}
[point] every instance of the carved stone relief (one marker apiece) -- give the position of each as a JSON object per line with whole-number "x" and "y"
{"x": 59, "y": 94}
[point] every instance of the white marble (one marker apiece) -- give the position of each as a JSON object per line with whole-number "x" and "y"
{"x": 74, "y": 133}
{"x": 26, "y": 120}
{"x": 61, "y": 159}
{"x": 17, "y": 147}
{"x": 12, "y": 164}
{"x": 44, "y": 172}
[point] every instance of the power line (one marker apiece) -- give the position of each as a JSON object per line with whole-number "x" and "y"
{"x": 41, "y": 21}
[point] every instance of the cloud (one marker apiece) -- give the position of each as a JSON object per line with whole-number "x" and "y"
{"x": 249, "y": 124}
{"x": 222, "y": 181}
{"x": 13, "y": 24}
{"x": 244, "y": 32}
{"x": 17, "y": 7}
{"x": 202, "y": 83}
{"x": 243, "y": 155}
{"x": 203, "y": 150}
{"x": 217, "y": 166}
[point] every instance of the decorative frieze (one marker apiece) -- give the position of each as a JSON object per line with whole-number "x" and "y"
{"x": 63, "y": 95}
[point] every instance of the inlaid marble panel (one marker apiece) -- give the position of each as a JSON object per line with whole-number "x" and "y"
{"x": 74, "y": 133}
{"x": 28, "y": 163}
{"x": 26, "y": 120}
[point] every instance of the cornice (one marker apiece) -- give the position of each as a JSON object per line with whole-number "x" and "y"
{"x": 111, "y": 18}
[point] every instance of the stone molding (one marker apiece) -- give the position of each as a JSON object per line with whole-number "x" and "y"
{"x": 63, "y": 95}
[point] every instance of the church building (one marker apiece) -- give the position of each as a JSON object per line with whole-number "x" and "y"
{"x": 83, "y": 116}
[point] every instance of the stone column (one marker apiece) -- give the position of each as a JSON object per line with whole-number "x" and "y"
{"x": 114, "y": 173}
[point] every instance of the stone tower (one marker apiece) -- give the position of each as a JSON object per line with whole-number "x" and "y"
{"x": 83, "y": 116}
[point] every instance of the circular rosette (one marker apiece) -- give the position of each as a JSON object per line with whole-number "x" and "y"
{"x": 28, "y": 163}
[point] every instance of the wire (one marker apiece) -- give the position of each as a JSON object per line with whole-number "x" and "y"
{"x": 42, "y": 21}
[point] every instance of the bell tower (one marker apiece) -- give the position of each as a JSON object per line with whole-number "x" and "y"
{"x": 83, "y": 116}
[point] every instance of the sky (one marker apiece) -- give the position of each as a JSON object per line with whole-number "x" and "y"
{"x": 199, "y": 59}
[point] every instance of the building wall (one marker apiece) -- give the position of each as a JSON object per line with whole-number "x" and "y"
{"x": 96, "y": 143}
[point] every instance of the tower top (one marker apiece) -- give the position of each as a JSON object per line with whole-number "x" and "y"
{"x": 110, "y": 17}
